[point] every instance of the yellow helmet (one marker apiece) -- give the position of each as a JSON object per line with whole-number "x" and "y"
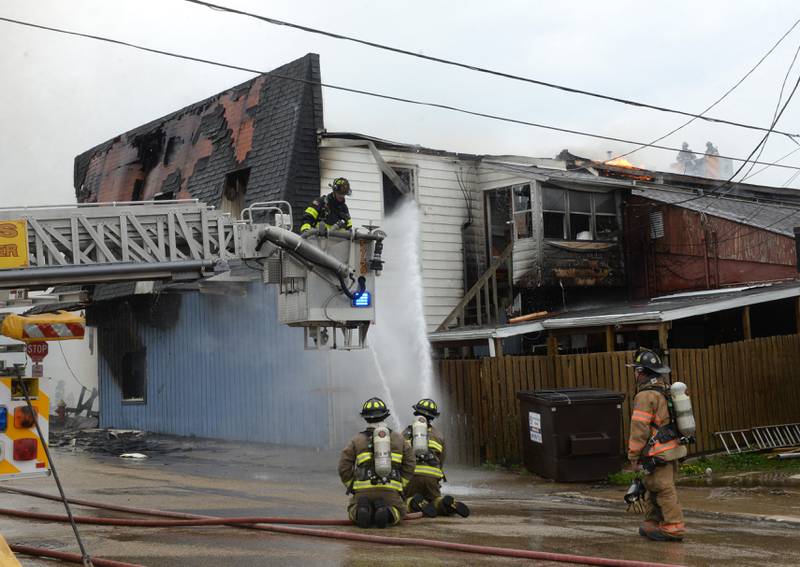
{"x": 426, "y": 407}
{"x": 374, "y": 409}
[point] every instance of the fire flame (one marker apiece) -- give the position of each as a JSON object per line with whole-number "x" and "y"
{"x": 621, "y": 162}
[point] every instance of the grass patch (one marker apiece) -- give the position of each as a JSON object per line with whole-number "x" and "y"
{"x": 722, "y": 465}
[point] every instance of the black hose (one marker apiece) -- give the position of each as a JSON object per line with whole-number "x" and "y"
{"x": 362, "y": 287}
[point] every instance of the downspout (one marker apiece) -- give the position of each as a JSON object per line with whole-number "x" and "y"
{"x": 716, "y": 256}
{"x": 705, "y": 254}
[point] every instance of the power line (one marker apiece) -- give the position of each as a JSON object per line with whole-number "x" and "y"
{"x": 478, "y": 69}
{"x": 721, "y": 186}
{"x": 724, "y": 96}
{"x": 373, "y": 94}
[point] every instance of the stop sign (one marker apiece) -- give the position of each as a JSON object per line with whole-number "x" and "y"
{"x": 37, "y": 351}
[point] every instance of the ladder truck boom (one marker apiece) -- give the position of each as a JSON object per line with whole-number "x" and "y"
{"x": 326, "y": 278}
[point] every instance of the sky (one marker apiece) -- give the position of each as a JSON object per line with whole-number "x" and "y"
{"x": 60, "y": 96}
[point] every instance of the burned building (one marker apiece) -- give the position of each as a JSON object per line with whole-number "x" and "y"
{"x": 173, "y": 358}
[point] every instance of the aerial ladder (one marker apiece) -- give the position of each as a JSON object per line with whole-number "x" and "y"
{"x": 325, "y": 278}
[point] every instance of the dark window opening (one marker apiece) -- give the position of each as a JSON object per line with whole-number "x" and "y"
{"x": 164, "y": 196}
{"x": 498, "y": 221}
{"x": 553, "y": 225}
{"x": 134, "y": 374}
{"x": 233, "y": 192}
{"x": 169, "y": 152}
{"x": 138, "y": 189}
{"x": 580, "y": 227}
{"x": 392, "y": 195}
{"x": 606, "y": 227}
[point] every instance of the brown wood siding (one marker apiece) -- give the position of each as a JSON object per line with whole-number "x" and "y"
{"x": 700, "y": 251}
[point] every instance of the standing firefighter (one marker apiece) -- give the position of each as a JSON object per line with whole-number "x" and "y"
{"x": 330, "y": 209}
{"x": 423, "y": 493}
{"x": 375, "y": 466}
{"x": 654, "y": 446}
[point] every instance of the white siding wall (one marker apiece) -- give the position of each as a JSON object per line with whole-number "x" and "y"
{"x": 442, "y": 206}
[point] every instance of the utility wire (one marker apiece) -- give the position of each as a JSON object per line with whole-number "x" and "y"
{"x": 723, "y": 97}
{"x": 377, "y": 95}
{"x": 476, "y": 68}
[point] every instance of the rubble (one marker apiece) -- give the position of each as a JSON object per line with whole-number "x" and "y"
{"x": 128, "y": 443}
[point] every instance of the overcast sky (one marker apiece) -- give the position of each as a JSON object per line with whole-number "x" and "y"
{"x": 62, "y": 95}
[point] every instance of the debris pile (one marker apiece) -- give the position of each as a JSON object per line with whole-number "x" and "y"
{"x": 115, "y": 442}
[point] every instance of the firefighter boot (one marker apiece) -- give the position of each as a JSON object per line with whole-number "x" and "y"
{"x": 417, "y": 503}
{"x": 384, "y": 515}
{"x": 647, "y": 526}
{"x": 452, "y": 506}
{"x": 363, "y": 515}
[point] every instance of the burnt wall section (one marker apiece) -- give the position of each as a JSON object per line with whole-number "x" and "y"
{"x": 268, "y": 124}
{"x": 217, "y": 366}
{"x": 672, "y": 249}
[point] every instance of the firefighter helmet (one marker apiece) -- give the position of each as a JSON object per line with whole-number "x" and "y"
{"x": 426, "y": 407}
{"x": 374, "y": 410}
{"x": 646, "y": 359}
{"x": 341, "y": 186}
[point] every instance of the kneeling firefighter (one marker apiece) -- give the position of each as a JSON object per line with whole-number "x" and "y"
{"x": 375, "y": 466}
{"x": 656, "y": 444}
{"x": 423, "y": 493}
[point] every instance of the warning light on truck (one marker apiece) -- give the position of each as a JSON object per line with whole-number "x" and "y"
{"x": 25, "y": 449}
{"x": 23, "y": 417}
{"x": 3, "y": 418}
{"x": 363, "y": 299}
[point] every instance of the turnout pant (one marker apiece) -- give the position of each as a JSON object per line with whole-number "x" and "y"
{"x": 430, "y": 490}
{"x": 391, "y": 498}
{"x": 661, "y": 505}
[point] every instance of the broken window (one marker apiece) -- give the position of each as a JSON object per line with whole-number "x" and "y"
{"x": 554, "y": 206}
{"x": 498, "y": 220}
{"x": 138, "y": 189}
{"x": 522, "y": 211}
{"x": 164, "y": 196}
{"x": 579, "y": 215}
{"x": 392, "y": 196}
{"x": 134, "y": 373}
{"x": 234, "y": 191}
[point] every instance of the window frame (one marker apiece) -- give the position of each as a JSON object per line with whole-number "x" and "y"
{"x": 142, "y": 352}
{"x": 592, "y": 214}
{"x": 396, "y": 167}
{"x": 515, "y": 212}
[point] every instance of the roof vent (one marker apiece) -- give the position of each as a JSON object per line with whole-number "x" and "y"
{"x": 656, "y": 224}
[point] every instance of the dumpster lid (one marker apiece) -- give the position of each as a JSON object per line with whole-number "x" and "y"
{"x": 569, "y": 396}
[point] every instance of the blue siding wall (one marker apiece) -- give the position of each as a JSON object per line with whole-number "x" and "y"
{"x": 225, "y": 369}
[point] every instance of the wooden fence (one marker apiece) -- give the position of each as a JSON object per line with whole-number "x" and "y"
{"x": 733, "y": 386}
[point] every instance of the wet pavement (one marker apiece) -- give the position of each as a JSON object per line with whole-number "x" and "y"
{"x": 513, "y": 510}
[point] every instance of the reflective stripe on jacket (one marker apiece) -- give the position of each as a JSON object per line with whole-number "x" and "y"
{"x": 650, "y": 412}
{"x": 328, "y": 210}
{"x": 356, "y": 459}
{"x": 432, "y": 466}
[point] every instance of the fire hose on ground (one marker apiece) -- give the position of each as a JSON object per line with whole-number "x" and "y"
{"x": 184, "y": 520}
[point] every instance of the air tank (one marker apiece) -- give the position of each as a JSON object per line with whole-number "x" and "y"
{"x": 382, "y": 450}
{"x": 419, "y": 436}
{"x": 683, "y": 410}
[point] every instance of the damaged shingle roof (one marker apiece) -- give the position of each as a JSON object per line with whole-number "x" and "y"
{"x": 268, "y": 125}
